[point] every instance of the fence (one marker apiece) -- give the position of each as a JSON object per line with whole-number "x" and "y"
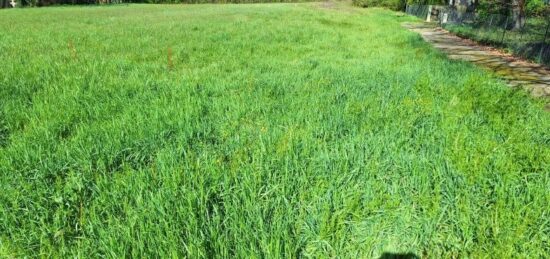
{"x": 4, "y": 4}
{"x": 528, "y": 38}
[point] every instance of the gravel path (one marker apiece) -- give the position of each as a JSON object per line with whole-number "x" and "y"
{"x": 518, "y": 73}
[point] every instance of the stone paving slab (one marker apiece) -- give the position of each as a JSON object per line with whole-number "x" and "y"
{"x": 532, "y": 77}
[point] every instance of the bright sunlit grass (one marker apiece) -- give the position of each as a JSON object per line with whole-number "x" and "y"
{"x": 267, "y": 130}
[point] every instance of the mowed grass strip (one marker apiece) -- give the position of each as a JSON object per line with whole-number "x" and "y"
{"x": 263, "y": 131}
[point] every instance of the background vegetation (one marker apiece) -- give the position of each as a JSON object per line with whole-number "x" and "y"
{"x": 483, "y": 7}
{"x": 32, "y": 3}
{"x": 277, "y": 130}
{"x": 397, "y": 5}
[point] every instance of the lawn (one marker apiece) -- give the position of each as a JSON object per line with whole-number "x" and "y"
{"x": 259, "y": 131}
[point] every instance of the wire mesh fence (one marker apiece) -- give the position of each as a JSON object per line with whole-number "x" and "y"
{"x": 4, "y": 4}
{"x": 528, "y": 37}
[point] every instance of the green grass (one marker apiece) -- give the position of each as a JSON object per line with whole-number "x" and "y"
{"x": 273, "y": 130}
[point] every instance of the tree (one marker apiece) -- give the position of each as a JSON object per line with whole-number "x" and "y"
{"x": 518, "y": 13}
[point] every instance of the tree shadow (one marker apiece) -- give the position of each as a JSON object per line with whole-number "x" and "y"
{"x": 538, "y": 51}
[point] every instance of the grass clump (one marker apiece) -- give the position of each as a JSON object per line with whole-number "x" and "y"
{"x": 277, "y": 130}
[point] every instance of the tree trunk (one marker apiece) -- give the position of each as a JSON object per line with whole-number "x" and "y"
{"x": 518, "y": 13}
{"x": 461, "y": 7}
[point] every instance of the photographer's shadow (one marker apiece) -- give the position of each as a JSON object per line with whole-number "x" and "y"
{"x": 399, "y": 256}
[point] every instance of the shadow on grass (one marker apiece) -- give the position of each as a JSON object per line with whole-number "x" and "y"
{"x": 399, "y": 256}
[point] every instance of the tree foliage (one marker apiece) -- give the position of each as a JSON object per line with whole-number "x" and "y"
{"x": 90, "y": 2}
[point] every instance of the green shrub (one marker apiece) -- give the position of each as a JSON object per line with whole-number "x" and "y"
{"x": 536, "y": 7}
{"x": 397, "y": 5}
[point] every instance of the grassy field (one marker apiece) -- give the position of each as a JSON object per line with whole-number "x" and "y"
{"x": 259, "y": 131}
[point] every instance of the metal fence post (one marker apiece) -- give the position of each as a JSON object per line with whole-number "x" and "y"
{"x": 477, "y": 25}
{"x": 486, "y": 28}
{"x": 504, "y": 30}
{"x": 522, "y": 30}
{"x": 543, "y": 45}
